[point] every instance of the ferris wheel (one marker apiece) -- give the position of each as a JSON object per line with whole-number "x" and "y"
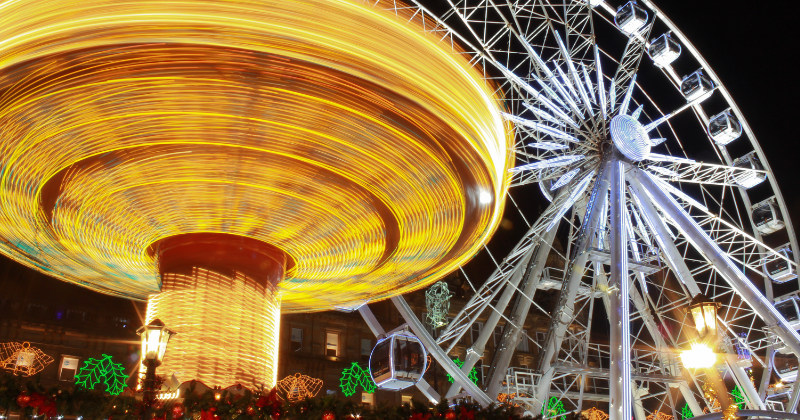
{"x": 663, "y": 194}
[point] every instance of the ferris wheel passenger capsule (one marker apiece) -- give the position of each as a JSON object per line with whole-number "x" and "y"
{"x": 398, "y": 361}
{"x": 767, "y": 216}
{"x": 751, "y": 178}
{"x": 780, "y": 270}
{"x": 664, "y": 50}
{"x": 785, "y": 366}
{"x": 724, "y": 127}
{"x": 789, "y": 307}
{"x": 630, "y": 18}
{"x": 696, "y": 86}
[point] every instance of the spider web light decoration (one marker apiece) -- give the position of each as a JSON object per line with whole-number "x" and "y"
{"x": 22, "y": 359}
{"x": 299, "y": 387}
{"x": 437, "y": 300}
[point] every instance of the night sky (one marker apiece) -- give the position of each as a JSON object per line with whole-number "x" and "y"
{"x": 750, "y": 46}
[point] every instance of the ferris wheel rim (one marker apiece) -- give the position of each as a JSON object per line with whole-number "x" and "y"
{"x": 728, "y": 99}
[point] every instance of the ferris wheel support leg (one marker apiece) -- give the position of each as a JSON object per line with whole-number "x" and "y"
{"x": 565, "y": 310}
{"x": 530, "y": 267}
{"x": 376, "y": 328}
{"x": 619, "y": 315}
{"x": 721, "y": 262}
{"x": 791, "y": 406}
{"x": 753, "y": 400}
{"x": 686, "y": 392}
{"x": 673, "y": 256}
{"x": 439, "y": 354}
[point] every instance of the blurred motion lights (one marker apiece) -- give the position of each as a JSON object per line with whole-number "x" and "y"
{"x": 368, "y": 157}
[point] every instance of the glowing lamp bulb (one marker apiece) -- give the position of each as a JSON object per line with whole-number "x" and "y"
{"x": 484, "y": 197}
{"x": 700, "y": 356}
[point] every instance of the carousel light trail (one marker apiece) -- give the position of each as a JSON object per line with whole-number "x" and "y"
{"x": 371, "y": 158}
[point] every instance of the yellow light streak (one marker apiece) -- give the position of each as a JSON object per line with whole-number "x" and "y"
{"x": 227, "y": 329}
{"x": 362, "y": 147}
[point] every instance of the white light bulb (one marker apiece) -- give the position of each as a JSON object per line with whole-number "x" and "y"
{"x": 484, "y": 197}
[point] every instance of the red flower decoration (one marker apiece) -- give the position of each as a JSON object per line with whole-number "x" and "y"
{"x": 36, "y": 400}
{"x": 178, "y": 410}
{"x": 328, "y": 415}
{"x": 450, "y": 415}
{"x": 23, "y": 400}
{"x": 466, "y": 415}
{"x": 420, "y": 416}
{"x": 209, "y": 415}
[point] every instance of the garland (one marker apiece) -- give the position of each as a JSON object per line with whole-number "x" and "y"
{"x": 31, "y": 399}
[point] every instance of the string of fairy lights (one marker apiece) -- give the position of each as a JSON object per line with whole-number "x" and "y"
{"x": 345, "y": 136}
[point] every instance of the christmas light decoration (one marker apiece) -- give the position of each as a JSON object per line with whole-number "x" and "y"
{"x": 299, "y": 387}
{"x": 111, "y": 374}
{"x": 132, "y": 127}
{"x": 356, "y": 376}
{"x": 23, "y": 359}
{"x": 738, "y": 398}
{"x": 686, "y": 412}
{"x": 473, "y": 373}
{"x": 437, "y": 301}
{"x": 594, "y": 413}
{"x": 659, "y": 416}
{"x": 553, "y": 409}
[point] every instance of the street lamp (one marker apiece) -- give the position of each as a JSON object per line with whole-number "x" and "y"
{"x": 704, "y": 313}
{"x": 155, "y": 337}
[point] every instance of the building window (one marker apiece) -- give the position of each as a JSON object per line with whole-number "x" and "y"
{"x": 297, "y": 339}
{"x": 405, "y": 399}
{"x": 475, "y": 331}
{"x": 332, "y": 344}
{"x": 540, "y": 337}
{"x": 524, "y": 342}
{"x": 68, "y": 368}
{"x": 368, "y": 399}
{"x": 497, "y": 336}
{"x": 366, "y": 347}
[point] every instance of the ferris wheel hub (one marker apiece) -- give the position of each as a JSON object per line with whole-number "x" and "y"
{"x": 630, "y": 137}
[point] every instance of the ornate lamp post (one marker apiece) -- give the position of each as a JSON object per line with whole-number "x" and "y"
{"x": 155, "y": 337}
{"x": 704, "y": 313}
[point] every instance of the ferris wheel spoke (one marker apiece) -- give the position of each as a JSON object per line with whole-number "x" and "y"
{"x": 534, "y": 237}
{"x": 706, "y": 173}
{"x": 721, "y": 261}
{"x": 629, "y": 63}
{"x": 564, "y": 310}
{"x": 444, "y": 360}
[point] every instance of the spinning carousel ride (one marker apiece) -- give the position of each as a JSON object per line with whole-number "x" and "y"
{"x": 229, "y": 161}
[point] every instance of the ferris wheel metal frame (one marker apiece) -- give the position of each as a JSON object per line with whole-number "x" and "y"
{"x": 660, "y": 243}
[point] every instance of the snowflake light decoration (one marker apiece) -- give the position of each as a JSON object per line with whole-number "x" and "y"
{"x": 437, "y": 300}
{"x": 103, "y": 370}
{"x": 299, "y": 387}
{"x": 22, "y": 359}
